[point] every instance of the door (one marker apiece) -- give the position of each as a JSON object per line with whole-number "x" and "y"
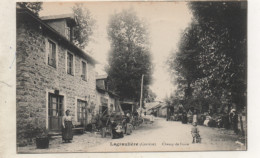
{"x": 104, "y": 106}
{"x": 55, "y": 112}
{"x": 82, "y": 112}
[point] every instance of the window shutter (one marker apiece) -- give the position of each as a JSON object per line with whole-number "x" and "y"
{"x": 49, "y": 52}
{"x": 87, "y": 76}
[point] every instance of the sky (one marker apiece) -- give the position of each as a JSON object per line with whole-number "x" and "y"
{"x": 166, "y": 21}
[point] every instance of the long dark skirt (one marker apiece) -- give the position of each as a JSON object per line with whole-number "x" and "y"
{"x": 116, "y": 135}
{"x": 67, "y": 131}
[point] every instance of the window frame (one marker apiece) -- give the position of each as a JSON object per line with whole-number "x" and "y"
{"x": 48, "y": 41}
{"x": 67, "y": 32}
{"x": 80, "y": 111}
{"x": 73, "y": 63}
{"x": 86, "y": 71}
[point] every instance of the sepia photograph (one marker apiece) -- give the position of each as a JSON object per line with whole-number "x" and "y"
{"x": 131, "y": 76}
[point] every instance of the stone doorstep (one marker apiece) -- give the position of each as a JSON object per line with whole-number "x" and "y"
{"x": 53, "y": 133}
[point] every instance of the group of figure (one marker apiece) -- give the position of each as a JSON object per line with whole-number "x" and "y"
{"x": 232, "y": 120}
{"x": 120, "y": 128}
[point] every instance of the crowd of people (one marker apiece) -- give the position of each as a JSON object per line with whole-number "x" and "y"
{"x": 222, "y": 120}
{"x": 230, "y": 121}
{"x": 116, "y": 124}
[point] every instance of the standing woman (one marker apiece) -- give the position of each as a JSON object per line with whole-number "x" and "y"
{"x": 67, "y": 127}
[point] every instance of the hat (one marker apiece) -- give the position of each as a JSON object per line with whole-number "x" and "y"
{"x": 67, "y": 110}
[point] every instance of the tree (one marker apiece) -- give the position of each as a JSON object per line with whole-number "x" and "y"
{"x": 129, "y": 56}
{"x": 35, "y": 7}
{"x": 185, "y": 61}
{"x": 224, "y": 41}
{"x": 212, "y": 54}
{"x": 86, "y": 24}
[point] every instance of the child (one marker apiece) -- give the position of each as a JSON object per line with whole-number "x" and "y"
{"x": 116, "y": 130}
{"x": 195, "y": 134}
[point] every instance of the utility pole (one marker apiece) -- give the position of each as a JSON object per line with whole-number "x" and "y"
{"x": 141, "y": 96}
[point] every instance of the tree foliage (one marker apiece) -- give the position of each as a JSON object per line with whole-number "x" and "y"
{"x": 129, "y": 56}
{"x": 35, "y": 7}
{"x": 211, "y": 61}
{"x": 86, "y": 24}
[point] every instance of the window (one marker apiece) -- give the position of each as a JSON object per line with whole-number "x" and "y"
{"x": 70, "y": 63}
{"x": 84, "y": 71}
{"x": 82, "y": 111}
{"x": 67, "y": 32}
{"x": 111, "y": 108}
{"x": 52, "y": 54}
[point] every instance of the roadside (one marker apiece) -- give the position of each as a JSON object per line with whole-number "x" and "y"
{"x": 162, "y": 135}
{"x": 80, "y": 143}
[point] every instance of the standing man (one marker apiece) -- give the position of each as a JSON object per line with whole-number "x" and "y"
{"x": 195, "y": 117}
{"x": 235, "y": 122}
{"x": 168, "y": 113}
{"x": 231, "y": 115}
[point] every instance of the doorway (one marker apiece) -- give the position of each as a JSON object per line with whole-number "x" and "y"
{"x": 82, "y": 112}
{"x": 55, "y": 111}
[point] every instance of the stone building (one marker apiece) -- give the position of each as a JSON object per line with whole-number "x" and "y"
{"x": 107, "y": 101}
{"x": 53, "y": 74}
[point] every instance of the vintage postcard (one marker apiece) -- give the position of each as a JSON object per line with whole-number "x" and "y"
{"x": 121, "y": 76}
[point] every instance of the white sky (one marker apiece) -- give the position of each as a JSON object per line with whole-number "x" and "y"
{"x": 166, "y": 21}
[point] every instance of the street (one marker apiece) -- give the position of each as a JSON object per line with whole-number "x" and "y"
{"x": 162, "y": 135}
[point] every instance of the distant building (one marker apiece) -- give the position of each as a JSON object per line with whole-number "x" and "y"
{"x": 153, "y": 107}
{"x": 53, "y": 74}
{"x": 162, "y": 111}
{"x": 107, "y": 101}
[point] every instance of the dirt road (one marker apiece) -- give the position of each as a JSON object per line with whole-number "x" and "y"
{"x": 162, "y": 135}
{"x": 172, "y": 136}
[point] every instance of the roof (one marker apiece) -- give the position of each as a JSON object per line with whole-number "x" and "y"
{"x": 163, "y": 104}
{"x": 101, "y": 90}
{"x": 71, "y": 18}
{"x": 99, "y": 77}
{"x": 151, "y": 105}
{"x": 24, "y": 13}
{"x": 155, "y": 105}
{"x": 61, "y": 16}
{"x": 127, "y": 102}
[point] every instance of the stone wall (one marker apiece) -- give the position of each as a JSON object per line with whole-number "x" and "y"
{"x": 35, "y": 78}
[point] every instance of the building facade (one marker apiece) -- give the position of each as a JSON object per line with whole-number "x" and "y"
{"x": 107, "y": 101}
{"x": 53, "y": 75}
